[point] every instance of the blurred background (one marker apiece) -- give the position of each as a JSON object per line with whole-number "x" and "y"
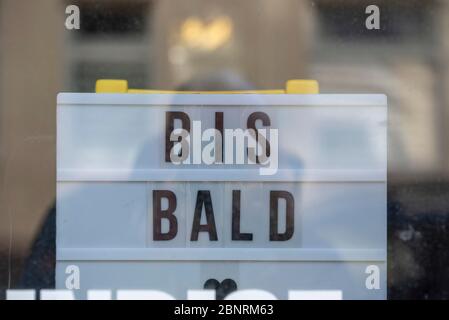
{"x": 261, "y": 43}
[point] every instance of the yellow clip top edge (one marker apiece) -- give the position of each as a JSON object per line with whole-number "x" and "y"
{"x": 296, "y": 86}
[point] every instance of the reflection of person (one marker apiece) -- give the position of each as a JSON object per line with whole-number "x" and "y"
{"x": 39, "y": 269}
{"x": 218, "y": 81}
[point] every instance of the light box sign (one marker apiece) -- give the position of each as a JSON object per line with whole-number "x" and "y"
{"x": 231, "y": 192}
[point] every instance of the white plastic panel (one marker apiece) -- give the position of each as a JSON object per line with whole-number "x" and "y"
{"x": 332, "y": 160}
{"x": 101, "y": 215}
{"x": 102, "y": 142}
{"x": 275, "y": 277}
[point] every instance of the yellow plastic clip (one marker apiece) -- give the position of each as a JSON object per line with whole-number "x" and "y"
{"x": 302, "y": 87}
{"x": 111, "y": 86}
{"x": 292, "y": 87}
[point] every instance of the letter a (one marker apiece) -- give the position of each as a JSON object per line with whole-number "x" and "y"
{"x": 73, "y": 20}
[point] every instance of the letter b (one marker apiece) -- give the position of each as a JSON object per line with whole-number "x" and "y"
{"x": 159, "y": 214}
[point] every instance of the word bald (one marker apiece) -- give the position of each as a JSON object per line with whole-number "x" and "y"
{"x": 204, "y": 200}
{"x": 185, "y": 145}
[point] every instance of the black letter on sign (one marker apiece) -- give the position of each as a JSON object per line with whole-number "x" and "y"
{"x": 204, "y": 197}
{"x": 158, "y": 214}
{"x": 251, "y": 124}
{"x": 170, "y": 117}
{"x": 236, "y": 235}
{"x": 274, "y": 217}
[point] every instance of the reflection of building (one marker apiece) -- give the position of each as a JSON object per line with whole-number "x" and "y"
{"x": 115, "y": 41}
{"x": 162, "y": 44}
{"x": 399, "y": 60}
